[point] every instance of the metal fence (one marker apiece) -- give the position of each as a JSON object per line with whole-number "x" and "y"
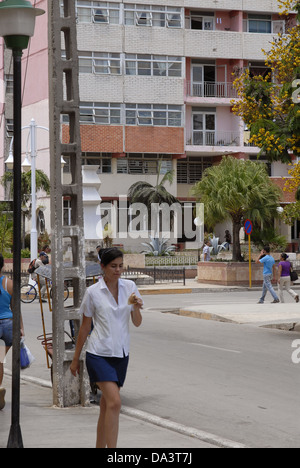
{"x": 172, "y": 261}
{"x": 148, "y": 276}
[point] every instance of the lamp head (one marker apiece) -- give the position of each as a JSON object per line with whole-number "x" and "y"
{"x": 10, "y": 161}
{"x": 17, "y": 22}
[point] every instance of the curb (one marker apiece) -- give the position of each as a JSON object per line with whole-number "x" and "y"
{"x": 154, "y": 420}
{"x": 148, "y": 292}
{"x": 179, "y": 428}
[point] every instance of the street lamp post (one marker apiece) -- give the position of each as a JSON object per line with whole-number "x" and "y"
{"x": 17, "y": 23}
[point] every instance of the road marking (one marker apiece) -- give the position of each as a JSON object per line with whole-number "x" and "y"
{"x": 218, "y": 349}
{"x": 211, "y": 439}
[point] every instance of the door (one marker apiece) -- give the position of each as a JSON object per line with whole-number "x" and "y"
{"x": 197, "y": 80}
{"x": 204, "y": 129}
{"x": 203, "y": 80}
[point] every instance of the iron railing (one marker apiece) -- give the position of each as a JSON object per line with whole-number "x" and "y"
{"x": 148, "y": 276}
{"x": 211, "y": 90}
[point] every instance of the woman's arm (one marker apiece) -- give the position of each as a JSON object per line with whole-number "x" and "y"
{"x": 84, "y": 331}
{"x": 136, "y": 315}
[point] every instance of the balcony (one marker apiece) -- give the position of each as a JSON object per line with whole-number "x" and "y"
{"x": 214, "y": 143}
{"x": 209, "y": 89}
{"x": 212, "y": 138}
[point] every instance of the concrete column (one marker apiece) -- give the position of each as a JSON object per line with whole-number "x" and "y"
{"x": 63, "y": 74}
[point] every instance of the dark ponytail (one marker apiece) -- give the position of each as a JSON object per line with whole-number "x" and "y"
{"x": 109, "y": 255}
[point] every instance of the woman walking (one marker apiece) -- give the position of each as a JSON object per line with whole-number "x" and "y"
{"x": 109, "y": 304}
{"x": 284, "y": 278}
{"x": 6, "y": 325}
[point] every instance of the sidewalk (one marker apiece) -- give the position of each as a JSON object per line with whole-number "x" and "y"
{"x": 282, "y": 316}
{"x": 45, "y": 426}
{"x": 262, "y": 315}
{"x": 191, "y": 286}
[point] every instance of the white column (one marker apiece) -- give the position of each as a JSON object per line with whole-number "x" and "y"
{"x": 33, "y": 233}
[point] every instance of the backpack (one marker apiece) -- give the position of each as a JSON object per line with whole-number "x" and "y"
{"x": 31, "y": 267}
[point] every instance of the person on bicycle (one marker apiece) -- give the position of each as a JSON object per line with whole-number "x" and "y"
{"x": 40, "y": 261}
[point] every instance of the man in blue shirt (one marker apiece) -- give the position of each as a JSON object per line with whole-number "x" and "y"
{"x": 268, "y": 263}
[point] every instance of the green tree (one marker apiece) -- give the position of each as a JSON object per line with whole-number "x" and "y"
{"x": 237, "y": 190}
{"x": 148, "y": 194}
{"x": 267, "y": 103}
{"x": 42, "y": 183}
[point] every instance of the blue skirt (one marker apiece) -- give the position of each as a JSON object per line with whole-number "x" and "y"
{"x": 107, "y": 369}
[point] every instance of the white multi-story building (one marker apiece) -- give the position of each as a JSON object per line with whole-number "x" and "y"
{"x": 156, "y": 82}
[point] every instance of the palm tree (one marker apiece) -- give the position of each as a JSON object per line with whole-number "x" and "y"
{"x": 42, "y": 183}
{"x": 148, "y": 194}
{"x": 237, "y": 190}
{"x": 144, "y": 192}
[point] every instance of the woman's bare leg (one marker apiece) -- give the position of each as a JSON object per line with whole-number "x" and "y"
{"x": 2, "y": 356}
{"x": 101, "y": 440}
{"x": 108, "y": 425}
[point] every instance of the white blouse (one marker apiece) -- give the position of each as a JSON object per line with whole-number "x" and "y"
{"x": 110, "y": 335}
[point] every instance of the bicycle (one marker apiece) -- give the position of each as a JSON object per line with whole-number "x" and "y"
{"x": 29, "y": 292}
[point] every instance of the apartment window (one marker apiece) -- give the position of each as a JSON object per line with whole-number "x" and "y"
{"x": 148, "y": 164}
{"x": 158, "y": 16}
{"x": 98, "y": 12}
{"x": 202, "y": 21}
{"x": 99, "y": 63}
{"x": 190, "y": 171}
{"x": 260, "y": 69}
{"x": 100, "y": 113}
{"x": 204, "y": 128}
{"x": 261, "y": 24}
{"x": 153, "y": 65}
{"x": 67, "y": 213}
{"x": 9, "y": 82}
{"x": 154, "y": 115}
{"x": 10, "y": 128}
{"x": 102, "y": 160}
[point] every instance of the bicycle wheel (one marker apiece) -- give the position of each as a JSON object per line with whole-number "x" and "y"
{"x": 66, "y": 293}
{"x": 28, "y": 293}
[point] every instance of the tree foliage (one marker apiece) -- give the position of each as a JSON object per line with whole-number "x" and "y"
{"x": 266, "y": 102}
{"x": 146, "y": 193}
{"x": 42, "y": 183}
{"x": 237, "y": 190}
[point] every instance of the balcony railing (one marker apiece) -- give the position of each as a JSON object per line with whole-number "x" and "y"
{"x": 210, "y": 90}
{"x": 211, "y": 138}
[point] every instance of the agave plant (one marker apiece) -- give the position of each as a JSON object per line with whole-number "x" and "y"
{"x": 216, "y": 247}
{"x": 158, "y": 247}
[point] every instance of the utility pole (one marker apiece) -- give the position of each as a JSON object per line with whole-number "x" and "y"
{"x": 64, "y": 102}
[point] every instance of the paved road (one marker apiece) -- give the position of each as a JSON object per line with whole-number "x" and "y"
{"x": 235, "y": 381}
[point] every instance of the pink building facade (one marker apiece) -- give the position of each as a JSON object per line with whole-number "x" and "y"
{"x": 156, "y": 81}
